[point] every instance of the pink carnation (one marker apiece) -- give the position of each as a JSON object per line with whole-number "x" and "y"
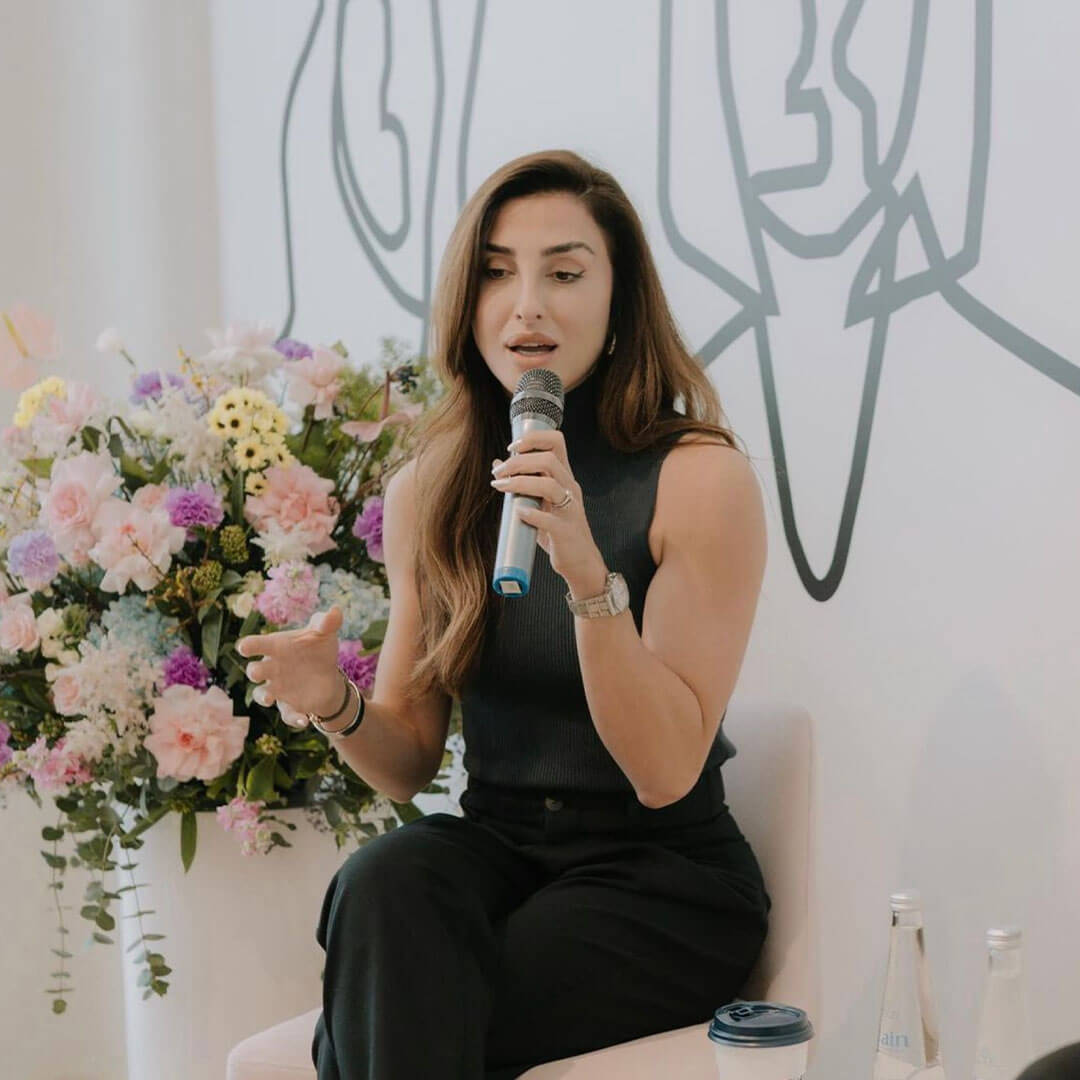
{"x": 313, "y": 380}
{"x": 134, "y": 545}
{"x": 195, "y": 735}
{"x": 297, "y": 499}
{"x": 74, "y": 493}
{"x": 18, "y": 625}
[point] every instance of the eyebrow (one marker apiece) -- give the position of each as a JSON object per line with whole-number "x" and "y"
{"x": 557, "y": 249}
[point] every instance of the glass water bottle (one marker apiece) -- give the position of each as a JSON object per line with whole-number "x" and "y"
{"x": 908, "y": 1047}
{"x": 1003, "y": 1046}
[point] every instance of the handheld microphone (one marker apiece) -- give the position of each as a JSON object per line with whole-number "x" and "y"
{"x": 537, "y": 404}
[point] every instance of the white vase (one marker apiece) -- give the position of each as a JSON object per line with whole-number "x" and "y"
{"x": 239, "y": 937}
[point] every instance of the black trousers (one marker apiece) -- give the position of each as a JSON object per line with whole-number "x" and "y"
{"x": 534, "y": 927}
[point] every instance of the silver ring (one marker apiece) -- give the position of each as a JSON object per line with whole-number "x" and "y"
{"x": 565, "y": 503}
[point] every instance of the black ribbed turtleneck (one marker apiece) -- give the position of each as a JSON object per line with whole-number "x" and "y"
{"x": 525, "y": 719}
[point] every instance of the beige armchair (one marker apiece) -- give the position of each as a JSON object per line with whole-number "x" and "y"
{"x": 769, "y": 790}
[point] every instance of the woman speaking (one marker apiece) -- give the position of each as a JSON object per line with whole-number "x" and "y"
{"x": 596, "y": 888}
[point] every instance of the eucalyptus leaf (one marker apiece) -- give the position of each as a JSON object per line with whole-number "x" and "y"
{"x": 189, "y": 827}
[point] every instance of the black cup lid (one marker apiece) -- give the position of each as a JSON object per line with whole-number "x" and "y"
{"x": 759, "y": 1023}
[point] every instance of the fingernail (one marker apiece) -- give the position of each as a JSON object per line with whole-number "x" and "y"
{"x": 514, "y": 445}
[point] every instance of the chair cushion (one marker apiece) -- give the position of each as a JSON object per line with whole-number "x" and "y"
{"x": 282, "y": 1052}
{"x": 685, "y": 1053}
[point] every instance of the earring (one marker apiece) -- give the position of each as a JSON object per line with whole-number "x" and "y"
{"x": 611, "y": 347}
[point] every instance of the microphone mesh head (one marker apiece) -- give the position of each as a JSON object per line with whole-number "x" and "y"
{"x": 534, "y": 394}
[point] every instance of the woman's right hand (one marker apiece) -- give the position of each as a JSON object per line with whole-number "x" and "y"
{"x": 298, "y": 667}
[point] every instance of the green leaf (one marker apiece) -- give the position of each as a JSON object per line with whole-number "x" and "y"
{"x": 39, "y": 466}
{"x": 49, "y": 833}
{"x": 62, "y": 954}
{"x": 57, "y": 862}
{"x": 407, "y": 811}
{"x": 374, "y": 634}
{"x": 102, "y": 938}
{"x": 211, "y": 636}
{"x": 105, "y": 921}
{"x": 59, "y": 1005}
{"x": 90, "y": 911}
{"x": 260, "y": 781}
{"x": 189, "y": 827}
{"x": 95, "y": 891}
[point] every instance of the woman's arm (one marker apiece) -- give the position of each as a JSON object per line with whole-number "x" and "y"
{"x": 657, "y": 699}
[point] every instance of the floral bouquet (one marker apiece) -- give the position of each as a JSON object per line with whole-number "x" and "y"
{"x": 138, "y": 542}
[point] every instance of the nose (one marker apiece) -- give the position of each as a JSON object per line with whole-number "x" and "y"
{"x": 528, "y": 304}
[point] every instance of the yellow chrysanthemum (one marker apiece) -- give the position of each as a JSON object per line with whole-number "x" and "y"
{"x": 262, "y": 421}
{"x": 255, "y": 483}
{"x": 250, "y": 453}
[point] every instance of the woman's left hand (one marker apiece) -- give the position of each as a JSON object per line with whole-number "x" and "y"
{"x": 539, "y": 467}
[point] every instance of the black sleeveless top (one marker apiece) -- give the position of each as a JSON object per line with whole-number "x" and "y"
{"x": 525, "y": 718}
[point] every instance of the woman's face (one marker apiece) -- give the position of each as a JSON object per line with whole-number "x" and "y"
{"x": 529, "y": 291}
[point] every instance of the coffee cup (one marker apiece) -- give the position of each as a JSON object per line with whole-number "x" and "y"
{"x": 760, "y": 1040}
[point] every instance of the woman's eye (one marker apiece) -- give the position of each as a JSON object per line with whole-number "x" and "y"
{"x": 493, "y": 272}
{"x": 568, "y": 275}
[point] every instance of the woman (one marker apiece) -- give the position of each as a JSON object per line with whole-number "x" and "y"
{"x": 596, "y": 888}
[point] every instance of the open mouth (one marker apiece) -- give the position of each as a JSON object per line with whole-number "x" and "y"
{"x": 533, "y": 350}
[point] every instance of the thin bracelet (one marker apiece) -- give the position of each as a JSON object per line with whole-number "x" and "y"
{"x": 354, "y": 723}
{"x": 344, "y": 701}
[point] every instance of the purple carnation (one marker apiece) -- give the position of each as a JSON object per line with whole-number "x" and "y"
{"x": 199, "y": 505}
{"x": 368, "y": 526}
{"x": 32, "y": 556}
{"x": 184, "y": 668}
{"x": 292, "y": 349}
{"x": 147, "y": 384}
{"x": 361, "y": 669}
{"x": 5, "y": 750}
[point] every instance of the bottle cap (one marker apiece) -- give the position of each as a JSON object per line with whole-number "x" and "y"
{"x": 1004, "y": 937}
{"x": 906, "y": 900}
{"x": 759, "y": 1023}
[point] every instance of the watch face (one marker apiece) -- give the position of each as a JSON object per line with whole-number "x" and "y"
{"x": 619, "y": 592}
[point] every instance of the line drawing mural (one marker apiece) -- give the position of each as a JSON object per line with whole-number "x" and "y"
{"x": 876, "y": 291}
{"x": 369, "y": 232}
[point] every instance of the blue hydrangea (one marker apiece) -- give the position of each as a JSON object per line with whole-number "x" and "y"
{"x": 128, "y": 621}
{"x": 361, "y": 602}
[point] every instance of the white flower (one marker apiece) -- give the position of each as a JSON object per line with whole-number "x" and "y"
{"x": 49, "y": 623}
{"x": 281, "y": 546}
{"x": 243, "y": 352}
{"x": 240, "y": 604}
{"x": 109, "y": 341}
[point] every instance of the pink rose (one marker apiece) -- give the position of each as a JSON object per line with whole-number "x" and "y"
{"x": 134, "y": 545}
{"x": 313, "y": 380}
{"x": 71, "y": 500}
{"x": 150, "y": 496}
{"x": 18, "y": 625}
{"x": 67, "y": 692}
{"x": 297, "y": 499}
{"x": 195, "y": 735}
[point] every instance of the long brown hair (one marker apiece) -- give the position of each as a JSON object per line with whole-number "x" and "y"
{"x": 651, "y": 367}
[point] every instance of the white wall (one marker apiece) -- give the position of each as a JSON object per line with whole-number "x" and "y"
{"x": 108, "y": 217}
{"x": 941, "y": 667}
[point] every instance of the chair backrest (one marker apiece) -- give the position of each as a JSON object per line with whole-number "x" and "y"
{"x": 768, "y": 788}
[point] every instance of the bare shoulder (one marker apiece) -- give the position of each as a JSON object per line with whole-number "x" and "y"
{"x": 701, "y": 471}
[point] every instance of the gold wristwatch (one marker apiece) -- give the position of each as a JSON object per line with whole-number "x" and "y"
{"x": 614, "y": 599}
